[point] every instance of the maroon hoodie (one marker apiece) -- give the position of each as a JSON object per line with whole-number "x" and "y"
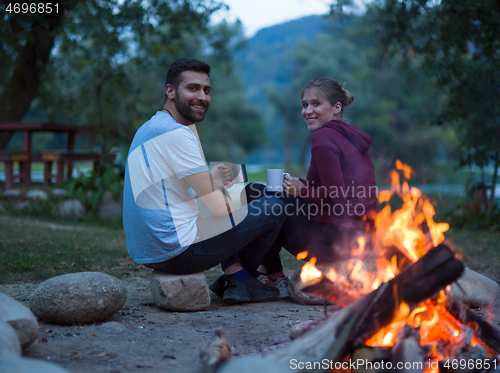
{"x": 341, "y": 177}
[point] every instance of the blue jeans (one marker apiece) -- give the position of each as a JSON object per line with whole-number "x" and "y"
{"x": 246, "y": 243}
{"x": 326, "y": 242}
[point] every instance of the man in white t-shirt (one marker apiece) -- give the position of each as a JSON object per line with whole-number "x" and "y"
{"x": 166, "y": 182}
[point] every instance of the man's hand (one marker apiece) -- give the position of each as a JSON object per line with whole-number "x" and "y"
{"x": 292, "y": 185}
{"x": 222, "y": 176}
{"x": 203, "y": 186}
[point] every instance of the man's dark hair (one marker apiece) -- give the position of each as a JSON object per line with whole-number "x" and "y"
{"x": 175, "y": 70}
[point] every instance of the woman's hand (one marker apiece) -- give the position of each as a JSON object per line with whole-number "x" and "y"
{"x": 222, "y": 176}
{"x": 292, "y": 185}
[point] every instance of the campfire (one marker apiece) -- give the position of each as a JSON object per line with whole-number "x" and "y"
{"x": 398, "y": 312}
{"x": 398, "y": 307}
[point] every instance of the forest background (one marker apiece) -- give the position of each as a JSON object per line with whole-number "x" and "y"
{"x": 425, "y": 76}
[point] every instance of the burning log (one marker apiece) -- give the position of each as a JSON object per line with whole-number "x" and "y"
{"x": 407, "y": 351}
{"x": 483, "y": 330}
{"x": 361, "y": 319}
{"x": 372, "y": 356}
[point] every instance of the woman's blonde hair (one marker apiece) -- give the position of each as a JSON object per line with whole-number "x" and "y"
{"x": 332, "y": 90}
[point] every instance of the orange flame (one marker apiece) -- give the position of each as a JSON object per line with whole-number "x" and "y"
{"x": 361, "y": 246}
{"x": 309, "y": 271}
{"x": 403, "y": 230}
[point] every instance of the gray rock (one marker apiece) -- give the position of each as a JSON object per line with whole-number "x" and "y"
{"x": 9, "y": 342}
{"x": 299, "y": 296}
{"x": 37, "y": 194}
{"x": 252, "y": 364}
{"x": 107, "y": 197}
{"x": 340, "y": 267}
{"x": 71, "y": 208}
{"x": 113, "y": 327}
{"x": 478, "y": 290}
{"x": 19, "y": 365}
{"x": 110, "y": 211}
{"x": 59, "y": 193}
{"x": 12, "y": 193}
{"x": 180, "y": 292}
{"x": 20, "y": 206}
{"x": 78, "y": 298}
{"x": 20, "y": 318}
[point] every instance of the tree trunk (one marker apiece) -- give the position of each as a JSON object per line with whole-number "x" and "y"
{"x": 493, "y": 185}
{"x": 288, "y": 145}
{"x": 21, "y": 89}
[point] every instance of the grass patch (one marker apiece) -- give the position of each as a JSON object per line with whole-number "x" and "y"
{"x": 32, "y": 249}
{"x": 35, "y": 249}
{"x": 480, "y": 250}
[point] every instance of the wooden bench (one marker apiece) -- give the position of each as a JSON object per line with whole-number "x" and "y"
{"x": 23, "y": 158}
{"x": 66, "y": 158}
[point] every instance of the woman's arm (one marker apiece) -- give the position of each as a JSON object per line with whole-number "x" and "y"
{"x": 332, "y": 187}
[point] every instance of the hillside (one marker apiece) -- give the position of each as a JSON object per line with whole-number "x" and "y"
{"x": 266, "y": 62}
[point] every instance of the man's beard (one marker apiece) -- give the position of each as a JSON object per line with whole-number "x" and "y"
{"x": 187, "y": 112}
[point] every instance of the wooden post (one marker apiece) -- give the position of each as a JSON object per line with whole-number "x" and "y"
{"x": 9, "y": 174}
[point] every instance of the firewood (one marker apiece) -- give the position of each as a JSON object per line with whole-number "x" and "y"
{"x": 371, "y": 356}
{"x": 409, "y": 355}
{"x": 361, "y": 319}
{"x": 471, "y": 359}
{"x": 301, "y": 328}
{"x": 217, "y": 353}
{"x": 315, "y": 345}
{"x": 483, "y": 330}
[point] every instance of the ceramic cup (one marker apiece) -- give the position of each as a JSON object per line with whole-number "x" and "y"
{"x": 275, "y": 179}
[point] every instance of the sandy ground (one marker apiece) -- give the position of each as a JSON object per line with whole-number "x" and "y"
{"x": 143, "y": 338}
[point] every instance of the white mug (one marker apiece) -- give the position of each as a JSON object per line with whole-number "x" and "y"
{"x": 275, "y": 179}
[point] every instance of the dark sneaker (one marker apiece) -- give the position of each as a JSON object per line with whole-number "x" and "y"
{"x": 249, "y": 290}
{"x": 217, "y": 287}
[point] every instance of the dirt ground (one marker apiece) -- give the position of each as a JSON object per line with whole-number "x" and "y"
{"x": 144, "y": 338}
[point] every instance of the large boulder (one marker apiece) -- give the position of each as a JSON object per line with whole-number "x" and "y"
{"x": 37, "y": 194}
{"x": 59, "y": 193}
{"x": 78, "y": 298}
{"x": 475, "y": 289}
{"x": 18, "y": 365}
{"x": 9, "y": 342}
{"x": 109, "y": 209}
{"x": 20, "y": 318}
{"x": 180, "y": 292}
{"x": 12, "y": 193}
{"x": 71, "y": 208}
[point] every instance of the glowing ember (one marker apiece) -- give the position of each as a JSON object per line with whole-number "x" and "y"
{"x": 361, "y": 246}
{"x": 302, "y": 255}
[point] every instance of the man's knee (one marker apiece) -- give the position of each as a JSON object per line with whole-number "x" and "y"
{"x": 277, "y": 209}
{"x": 269, "y": 208}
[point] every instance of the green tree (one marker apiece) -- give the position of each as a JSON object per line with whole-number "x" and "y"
{"x": 98, "y": 39}
{"x": 457, "y": 43}
{"x": 118, "y": 94}
{"x": 396, "y": 113}
{"x": 232, "y": 126}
